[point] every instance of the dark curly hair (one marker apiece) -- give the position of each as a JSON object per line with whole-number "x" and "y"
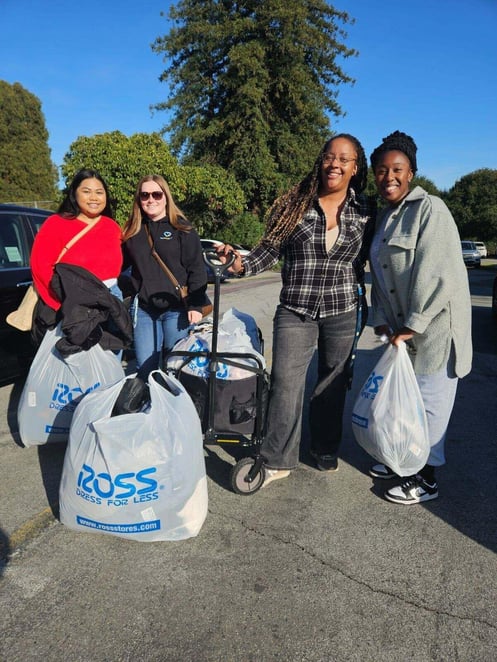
{"x": 287, "y": 210}
{"x": 399, "y": 142}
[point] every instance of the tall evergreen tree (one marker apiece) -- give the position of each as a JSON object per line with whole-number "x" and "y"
{"x": 27, "y": 173}
{"x": 253, "y": 85}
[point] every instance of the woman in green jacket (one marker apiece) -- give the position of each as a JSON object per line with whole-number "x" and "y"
{"x": 420, "y": 295}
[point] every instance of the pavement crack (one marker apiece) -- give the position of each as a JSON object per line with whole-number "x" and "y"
{"x": 360, "y": 582}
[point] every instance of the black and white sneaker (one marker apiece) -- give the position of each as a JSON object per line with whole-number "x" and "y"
{"x": 414, "y": 489}
{"x": 381, "y": 471}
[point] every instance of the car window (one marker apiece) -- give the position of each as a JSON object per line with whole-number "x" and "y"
{"x": 37, "y": 221}
{"x": 14, "y": 247}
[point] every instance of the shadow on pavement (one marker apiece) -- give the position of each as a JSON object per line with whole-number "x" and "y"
{"x": 4, "y": 551}
{"x": 468, "y": 489}
{"x": 15, "y": 395}
{"x": 51, "y": 460}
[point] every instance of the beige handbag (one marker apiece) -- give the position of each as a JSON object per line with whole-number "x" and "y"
{"x": 22, "y": 318}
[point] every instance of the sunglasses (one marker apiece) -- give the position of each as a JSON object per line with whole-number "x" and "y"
{"x": 156, "y": 195}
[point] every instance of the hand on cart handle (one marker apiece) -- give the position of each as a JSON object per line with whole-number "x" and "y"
{"x": 224, "y": 252}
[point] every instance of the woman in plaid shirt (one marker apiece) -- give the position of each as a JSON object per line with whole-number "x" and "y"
{"x": 318, "y": 228}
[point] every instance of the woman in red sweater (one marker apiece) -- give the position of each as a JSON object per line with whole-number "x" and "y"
{"x": 86, "y": 202}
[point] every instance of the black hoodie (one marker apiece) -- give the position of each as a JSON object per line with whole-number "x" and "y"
{"x": 181, "y": 252}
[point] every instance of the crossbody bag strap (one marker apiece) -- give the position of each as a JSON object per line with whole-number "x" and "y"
{"x": 72, "y": 241}
{"x": 182, "y": 291}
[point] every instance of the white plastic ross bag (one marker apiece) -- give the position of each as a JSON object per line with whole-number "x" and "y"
{"x": 55, "y": 385}
{"x": 137, "y": 476}
{"x": 388, "y": 418}
{"x": 232, "y": 337}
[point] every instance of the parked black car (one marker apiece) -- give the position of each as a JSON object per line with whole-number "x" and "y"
{"x": 494, "y": 298}
{"x": 18, "y": 226}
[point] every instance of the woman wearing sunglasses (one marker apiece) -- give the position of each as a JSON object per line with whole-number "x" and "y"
{"x": 157, "y": 225}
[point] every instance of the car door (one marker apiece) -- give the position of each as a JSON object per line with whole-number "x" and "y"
{"x": 18, "y": 227}
{"x": 15, "y": 274}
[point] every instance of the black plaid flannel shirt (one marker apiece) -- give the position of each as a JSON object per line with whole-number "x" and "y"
{"x": 316, "y": 283}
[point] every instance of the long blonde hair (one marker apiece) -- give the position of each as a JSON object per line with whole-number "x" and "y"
{"x": 174, "y": 213}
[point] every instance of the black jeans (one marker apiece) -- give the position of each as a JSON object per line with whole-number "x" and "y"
{"x": 295, "y": 340}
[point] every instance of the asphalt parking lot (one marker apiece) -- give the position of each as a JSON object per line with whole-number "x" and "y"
{"x": 315, "y": 568}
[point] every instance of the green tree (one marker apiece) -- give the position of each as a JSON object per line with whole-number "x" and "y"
{"x": 253, "y": 85}
{"x": 245, "y": 229}
{"x": 429, "y": 186}
{"x": 209, "y": 196}
{"x": 473, "y": 203}
{"x": 27, "y": 174}
{"x": 371, "y": 189}
{"x": 212, "y": 197}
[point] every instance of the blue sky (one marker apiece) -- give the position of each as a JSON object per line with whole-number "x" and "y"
{"x": 427, "y": 68}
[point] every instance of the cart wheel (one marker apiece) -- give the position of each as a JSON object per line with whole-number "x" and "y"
{"x": 239, "y": 473}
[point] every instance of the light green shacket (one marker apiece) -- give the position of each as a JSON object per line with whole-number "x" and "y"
{"x": 425, "y": 283}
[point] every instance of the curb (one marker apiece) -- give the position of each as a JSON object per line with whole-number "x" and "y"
{"x": 28, "y": 531}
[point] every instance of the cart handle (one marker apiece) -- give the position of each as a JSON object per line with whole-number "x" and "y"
{"x": 211, "y": 258}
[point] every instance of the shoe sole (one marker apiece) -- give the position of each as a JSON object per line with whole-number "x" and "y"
{"x": 410, "y": 502}
{"x": 382, "y": 476}
{"x": 326, "y": 469}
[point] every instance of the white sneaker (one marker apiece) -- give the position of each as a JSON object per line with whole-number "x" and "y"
{"x": 275, "y": 474}
{"x": 413, "y": 490}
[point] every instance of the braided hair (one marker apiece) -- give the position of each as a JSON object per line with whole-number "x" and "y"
{"x": 398, "y": 142}
{"x": 287, "y": 210}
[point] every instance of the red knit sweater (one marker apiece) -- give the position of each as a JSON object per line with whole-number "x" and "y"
{"x": 99, "y": 251}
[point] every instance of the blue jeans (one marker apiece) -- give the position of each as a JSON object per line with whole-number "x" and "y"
{"x": 154, "y": 333}
{"x": 295, "y": 340}
{"x": 116, "y": 291}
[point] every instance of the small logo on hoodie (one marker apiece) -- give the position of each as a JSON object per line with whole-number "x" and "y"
{"x": 166, "y": 235}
